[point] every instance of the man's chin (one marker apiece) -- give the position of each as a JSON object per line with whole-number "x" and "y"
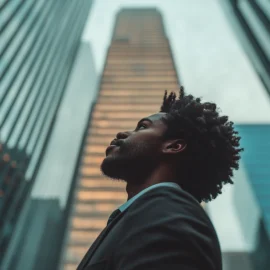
{"x": 126, "y": 169}
{"x": 111, "y": 167}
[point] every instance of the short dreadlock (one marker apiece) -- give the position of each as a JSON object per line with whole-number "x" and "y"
{"x": 212, "y": 150}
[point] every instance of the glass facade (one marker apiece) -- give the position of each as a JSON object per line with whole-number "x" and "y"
{"x": 38, "y": 45}
{"x": 253, "y": 24}
{"x": 256, "y": 164}
{"x": 256, "y": 157}
{"x": 250, "y": 20}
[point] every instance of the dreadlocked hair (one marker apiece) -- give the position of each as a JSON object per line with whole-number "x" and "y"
{"x": 212, "y": 151}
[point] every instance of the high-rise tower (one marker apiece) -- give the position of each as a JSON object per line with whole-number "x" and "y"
{"x": 38, "y": 45}
{"x": 138, "y": 68}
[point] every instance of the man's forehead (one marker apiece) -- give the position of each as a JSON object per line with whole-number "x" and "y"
{"x": 156, "y": 116}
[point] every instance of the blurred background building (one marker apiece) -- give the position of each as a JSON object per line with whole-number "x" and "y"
{"x": 251, "y": 21}
{"x": 39, "y": 41}
{"x": 55, "y": 130}
{"x": 251, "y": 198}
{"x": 138, "y": 64}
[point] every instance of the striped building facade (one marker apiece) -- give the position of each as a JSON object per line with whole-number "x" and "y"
{"x": 138, "y": 67}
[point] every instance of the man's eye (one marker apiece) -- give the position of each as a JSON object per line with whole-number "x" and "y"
{"x": 140, "y": 126}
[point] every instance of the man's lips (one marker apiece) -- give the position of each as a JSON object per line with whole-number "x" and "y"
{"x": 114, "y": 143}
{"x": 109, "y": 148}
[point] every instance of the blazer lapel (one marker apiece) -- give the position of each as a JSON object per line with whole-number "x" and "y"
{"x": 97, "y": 242}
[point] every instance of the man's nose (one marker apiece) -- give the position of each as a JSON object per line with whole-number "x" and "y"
{"x": 122, "y": 135}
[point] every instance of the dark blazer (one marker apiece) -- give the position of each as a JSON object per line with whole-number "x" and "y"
{"x": 164, "y": 229}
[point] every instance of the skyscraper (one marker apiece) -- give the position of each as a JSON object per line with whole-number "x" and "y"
{"x": 38, "y": 44}
{"x": 138, "y": 68}
{"x": 251, "y": 20}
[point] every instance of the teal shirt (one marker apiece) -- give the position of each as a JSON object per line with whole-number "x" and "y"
{"x": 127, "y": 204}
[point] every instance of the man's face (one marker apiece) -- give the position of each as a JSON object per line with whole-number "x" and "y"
{"x": 138, "y": 153}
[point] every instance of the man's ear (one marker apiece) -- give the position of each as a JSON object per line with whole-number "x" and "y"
{"x": 174, "y": 146}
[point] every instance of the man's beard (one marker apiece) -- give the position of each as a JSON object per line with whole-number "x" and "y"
{"x": 133, "y": 164}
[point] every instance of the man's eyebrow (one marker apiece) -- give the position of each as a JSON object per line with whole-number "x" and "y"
{"x": 145, "y": 119}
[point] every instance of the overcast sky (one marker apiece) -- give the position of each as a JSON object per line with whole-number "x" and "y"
{"x": 209, "y": 58}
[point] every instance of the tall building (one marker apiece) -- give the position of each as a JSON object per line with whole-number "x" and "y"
{"x": 38, "y": 44}
{"x": 252, "y": 200}
{"x": 138, "y": 68}
{"x": 251, "y": 21}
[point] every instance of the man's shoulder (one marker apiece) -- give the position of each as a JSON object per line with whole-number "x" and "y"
{"x": 173, "y": 209}
{"x": 171, "y": 218}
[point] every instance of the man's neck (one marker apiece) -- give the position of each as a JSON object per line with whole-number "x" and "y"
{"x": 133, "y": 190}
{"x": 163, "y": 173}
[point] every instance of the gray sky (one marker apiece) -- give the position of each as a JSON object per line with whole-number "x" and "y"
{"x": 209, "y": 58}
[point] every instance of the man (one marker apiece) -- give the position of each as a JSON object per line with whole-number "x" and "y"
{"x": 171, "y": 162}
